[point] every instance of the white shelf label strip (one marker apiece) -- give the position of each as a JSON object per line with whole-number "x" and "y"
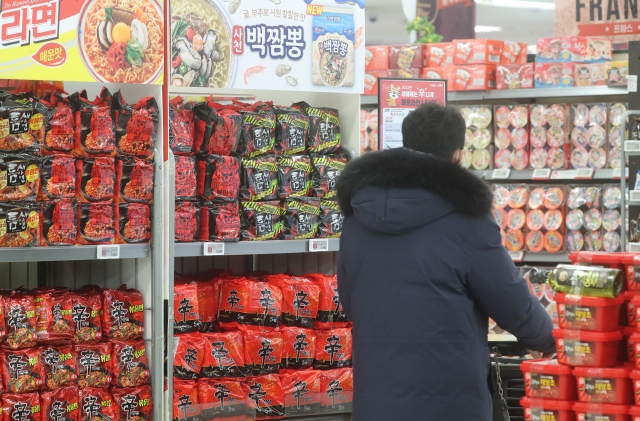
{"x": 319, "y": 245}
{"x": 517, "y": 256}
{"x": 110, "y": 251}
{"x": 543, "y": 174}
{"x": 634, "y": 195}
{"x": 585, "y": 174}
{"x": 501, "y": 174}
{"x": 632, "y": 145}
{"x": 213, "y": 249}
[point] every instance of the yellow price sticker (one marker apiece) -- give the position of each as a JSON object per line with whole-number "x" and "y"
{"x": 36, "y": 122}
{"x": 32, "y": 173}
{"x": 3, "y": 180}
{"x": 3, "y": 227}
{"x": 4, "y": 128}
{"x": 33, "y": 220}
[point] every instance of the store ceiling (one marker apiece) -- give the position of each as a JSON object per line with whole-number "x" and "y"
{"x": 386, "y": 21}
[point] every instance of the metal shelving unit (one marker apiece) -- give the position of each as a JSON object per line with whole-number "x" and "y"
{"x": 253, "y": 248}
{"x": 563, "y": 175}
{"x": 61, "y": 254}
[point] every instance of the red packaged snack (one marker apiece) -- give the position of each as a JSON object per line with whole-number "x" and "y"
{"x": 291, "y": 131}
{"x": 86, "y": 316}
{"x": 204, "y": 118}
{"x": 220, "y": 222}
{"x": 260, "y": 178}
{"x": 478, "y": 77}
{"x": 300, "y": 218}
{"x": 444, "y": 73}
{"x": 376, "y": 57}
{"x": 604, "y": 385}
{"x": 327, "y": 172}
{"x": 223, "y": 355}
{"x": 60, "y": 127}
{"x": 133, "y": 404}
{"x": 553, "y": 75}
{"x": 3, "y": 327}
{"x": 336, "y": 387}
{"x": 19, "y": 178}
{"x": 301, "y": 392}
{"x": 130, "y": 364}
{"x": 300, "y": 300}
{"x": 330, "y": 311}
{"x": 514, "y": 53}
{"x": 137, "y": 126}
{"x": 185, "y": 401}
{"x": 209, "y": 297}
{"x": 267, "y": 394}
{"x": 323, "y": 136}
{"x": 262, "y": 352}
{"x": 59, "y": 223}
{"x": 61, "y": 404}
{"x": 21, "y": 407}
{"x": 371, "y": 81}
{"x": 245, "y": 302}
{"x": 186, "y": 180}
{"x": 58, "y": 177}
{"x": 20, "y": 320}
{"x": 96, "y": 405}
{"x": 406, "y": 56}
{"x": 187, "y": 306}
{"x": 96, "y": 179}
{"x": 54, "y": 313}
{"x": 227, "y": 134}
{"x": 181, "y": 127}
{"x": 404, "y": 73}
{"x": 261, "y": 221}
{"x": 590, "y": 74}
{"x": 515, "y": 76}
{"x": 294, "y": 176}
{"x": 59, "y": 366}
{"x": 187, "y": 222}
{"x": 546, "y": 379}
{"x": 478, "y": 51}
{"x": 134, "y": 179}
{"x": 258, "y": 131}
{"x": 123, "y": 315}
{"x": 22, "y": 222}
{"x": 331, "y": 220}
{"x": 299, "y": 348}
{"x": 189, "y": 355}
{"x": 95, "y": 125}
{"x": 134, "y": 223}
{"x": 440, "y": 54}
{"x": 22, "y": 371}
{"x": 223, "y": 400}
{"x": 333, "y": 349}
{"x": 218, "y": 178}
{"x": 97, "y": 223}
{"x": 94, "y": 365}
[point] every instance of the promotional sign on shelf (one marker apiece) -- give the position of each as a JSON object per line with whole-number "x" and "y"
{"x": 312, "y": 45}
{"x": 397, "y": 98}
{"x": 617, "y": 19}
{"x": 116, "y": 41}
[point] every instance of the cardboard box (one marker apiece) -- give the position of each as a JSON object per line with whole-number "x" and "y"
{"x": 371, "y": 81}
{"x": 447, "y": 73}
{"x": 404, "y": 73}
{"x": 554, "y": 75}
{"x": 617, "y": 72}
{"x": 439, "y": 54}
{"x": 599, "y": 50}
{"x": 477, "y": 51}
{"x": 514, "y": 53}
{"x": 561, "y": 50}
{"x": 376, "y": 57}
{"x": 585, "y": 74}
{"x": 475, "y": 78}
{"x": 408, "y": 56}
{"x": 515, "y": 76}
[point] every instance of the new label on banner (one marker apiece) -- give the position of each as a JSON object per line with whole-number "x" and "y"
{"x": 397, "y": 98}
{"x": 291, "y": 45}
{"x": 614, "y": 19}
{"x": 117, "y": 41}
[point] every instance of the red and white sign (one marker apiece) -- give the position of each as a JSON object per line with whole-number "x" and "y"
{"x": 614, "y": 19}
{"x": 397, "y": 98}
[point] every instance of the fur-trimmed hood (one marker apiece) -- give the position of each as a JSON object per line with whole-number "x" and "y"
{"x": 397, "y": 190}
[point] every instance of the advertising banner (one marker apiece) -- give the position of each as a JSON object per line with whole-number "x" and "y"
{"x": 307, "y": 45}
{"x": 397, "y": 98}
{"x": 616, "y": 19}
{"x": 116, "y": 41}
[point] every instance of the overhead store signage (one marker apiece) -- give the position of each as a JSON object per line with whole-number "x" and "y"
{"x": 76, "y": 40}
{"x": 618, "y": 19}
{"x": 292, "y": 45}
{"x": 397, "y": 98}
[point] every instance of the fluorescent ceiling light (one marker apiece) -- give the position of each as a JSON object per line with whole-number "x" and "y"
{"x": 519, "y": 4}
{"x": 480, "y": 28}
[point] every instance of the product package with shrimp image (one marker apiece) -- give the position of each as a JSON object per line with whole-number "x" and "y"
{"x": 333, "y": 48}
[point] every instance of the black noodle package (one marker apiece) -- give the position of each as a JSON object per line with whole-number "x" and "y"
{"x": 258, "y": 132}
{"x": 327, "y": 171}
{"x": 59, "y": 222}
{"x": 58, "y": 177}
{"x": 300, "y": 218}
{"x": 324, "y": 129}
{"x": 136, "y": 126}
{"x": 260, "y": 178}
{"x": 186, "y": 180}
{"x": 331, "y": 219}
{"x": 134, "y": 179}
{"x": 294, "y": 176}
{"x": 187, "y": 222}
{"x": 292, "y": 126}
{"x": 261, "y": 221}
{"x": 220, "y": 222}
{"x": 133, "y": 223}
{"x": 227, "y": 134}
{"x": 21, "y": 124}
{"x": 218, "y": 178}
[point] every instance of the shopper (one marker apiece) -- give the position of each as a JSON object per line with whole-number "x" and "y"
{"x": 421, "y": 269}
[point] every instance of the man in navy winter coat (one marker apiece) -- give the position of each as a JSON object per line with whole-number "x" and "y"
{"x": 421, "y": 269}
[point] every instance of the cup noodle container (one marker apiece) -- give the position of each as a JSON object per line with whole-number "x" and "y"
{"x": 604, "y": 385}
{"x": 547, "y": 409}
{"x": 515, "y": 76}
{"x": 439, "y": 54}
{"x": 478, "y": 51}
{"x": 546, "y": 379}
{"x": 587, "y": 349}
{"x": 443, "y": 73}
{"x": 475, "y": 78}
{"x": 376, "y": 57}
{"x": 601, "y": 412}
{"x": 588, "y": 313}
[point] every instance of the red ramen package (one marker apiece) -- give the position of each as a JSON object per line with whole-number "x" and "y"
{"x": 299, "y": 348}
{"x": 223, "y": 356}
{"x": 333, "y": 349}
{"x": 129, "y": 362}
{"x": 331, "y": 220}
{"x": 336, "y": 387}
{"x": 137, "y": 126}
{"x": 97, "y": 224}
{"x": 204, "y": 118}
{"x": 59, "y": 222}
{"x": 301, "y": 392}
{"x": 260, "y": 178}
{"x": 223, "y": 400}
{"x": 134, "y": 179}
{"x": 86, "y": 316}
{"x": 123, "y": 316}
{"x": 187, "y": 222}
{"x": 262, "y": 352}
{"x": 509, "y": 204}
{"x": 545, "y": 219}
{"x": 220, "y": 222}
{"x": 258, "y": 131}
{"x": 300, "y": 299}
{"x": 300, "y": 218}
{"x": 61, "y": 405}
{"x": 22, "y": 371}
{"x": 186, "y": 304}
{"x": 59, "y": 366}
{"x": 511, "y": 137}
{"x": 54, "y": 315}
{"x": 294, "y": 176}
{"x": 134, "y": 223}
{"x": 261, "y": 221}
{"x": 60, "y": 127}
{"x": 250, "y": 303}
{"x": 95, "y": 368}
{"x": 21, "y": 407}
{"x": 181, "y": 127}
{"x": 96, "y": 134}
{"x": 330, "y": 311}
{"x": 227, "y": 134}
{"x": 267, "y": 395}
{"x": 218, "y": 178}
{"x": 3, "y": 327}
{"x": 96, "y": 405}
{"x": 21, "y": 223}
{"x": 20, "y": 320}
{"x": 589, "y": 136}
{"x": 132, "y": 404}
{"x": 21, "y": 124}
{"x": 291, "y": 131}
{"x": 19, "y": 178}
{"x": 186, "y": 180}
{"x": 327, "y": 172}
{"x": 188, "y": 356}
{"x": 96, "y": 179}
{"x": 548, "y": 137}
{"x": 584, "y": 218}
{"x": 185, "y": 401}
{"x": 477, "y": 141}
{"x": 324, "y": 129}
{"x": 58, "y": 177}
{"x": 616, "y": 111}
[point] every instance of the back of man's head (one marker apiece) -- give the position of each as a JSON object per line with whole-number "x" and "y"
{"x": 434, "y": 129}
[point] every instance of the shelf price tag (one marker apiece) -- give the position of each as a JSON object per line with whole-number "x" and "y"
{"x": 564, "y": 175}
{"x": 501, "y": 174}
{"x": 543, "y": 174}
{"x": 319, "y": 245}
{"x": 634, "y": 195}
{"x": 517, "y": 256}
{"x": 633, "y": 247}
{"x": 632, "y": 145}
{"x": 213, "y": 249}
{"x": 585, "y": 174}
{"x": 110, "y": 251}
{"x": 617, "y": 172}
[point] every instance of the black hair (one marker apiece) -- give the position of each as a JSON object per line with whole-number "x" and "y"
{"x": 434, "y": 129}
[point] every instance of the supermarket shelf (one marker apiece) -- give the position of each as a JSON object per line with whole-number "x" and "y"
{"x": 51, "y": 254}
{"x": 253, "y": 247}
{"x": 492, "y": 337}
{"x": 565, "y": 175}
{"x": 544, "y": 257}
